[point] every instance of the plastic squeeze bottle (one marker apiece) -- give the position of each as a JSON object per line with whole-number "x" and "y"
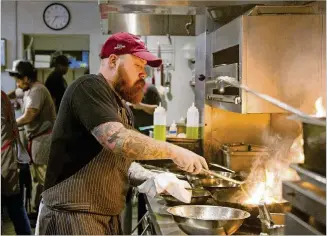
{"x": 159, "y": 122}
{"x": 192, "y": 124}
{"x": 173, "y": 130}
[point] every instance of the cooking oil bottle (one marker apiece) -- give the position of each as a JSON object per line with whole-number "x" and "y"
{"x": 192, "y": 124}
{"x": 159, "y": 122}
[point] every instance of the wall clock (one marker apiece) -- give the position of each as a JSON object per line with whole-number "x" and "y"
{"x": 56, "y": 16}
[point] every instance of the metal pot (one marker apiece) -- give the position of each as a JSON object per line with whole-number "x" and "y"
{"x": 208, "y": 220}
{"x": 278, "y": 227}
{"x": 227, "y": 198}
{"x": 199, "y": 196}
{"x": 213, "y": 184}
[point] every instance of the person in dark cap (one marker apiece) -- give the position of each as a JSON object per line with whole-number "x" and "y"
{"x": 55, "y": 83}
{"x": 38, "y": 119}
{"x": 94, "y": 145}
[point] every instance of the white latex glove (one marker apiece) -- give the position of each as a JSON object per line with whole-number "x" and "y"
{"x": 187, "y": 160}
{"x": 166, "y": 182}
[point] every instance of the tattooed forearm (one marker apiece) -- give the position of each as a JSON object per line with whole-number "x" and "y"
{"x": 114, "y": 136}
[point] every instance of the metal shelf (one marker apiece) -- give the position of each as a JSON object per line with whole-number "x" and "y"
{"x": 309, "y": 176}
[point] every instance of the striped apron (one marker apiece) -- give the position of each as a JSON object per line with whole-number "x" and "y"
{"x": 9, "y": 149}
{"x": 90, "y": 201}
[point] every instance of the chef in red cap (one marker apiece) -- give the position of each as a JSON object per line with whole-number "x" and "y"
{"x": 94, "y": 144}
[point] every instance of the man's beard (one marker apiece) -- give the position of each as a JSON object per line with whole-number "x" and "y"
{"x": 133, "y": 94}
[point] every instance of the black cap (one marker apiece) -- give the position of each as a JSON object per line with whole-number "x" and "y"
{"x": 22, "y": 68}
{"x": 61, "y": 60}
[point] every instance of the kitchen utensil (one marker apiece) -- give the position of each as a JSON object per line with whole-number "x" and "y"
{"x": 222, "y": 177}
{"x": 278, "y": 228}
{"x": 233, "y": 81}
{"x": 199, "y": 196}
{"x": 213, "y": 184}
{"x": 222, "y": 167}
{"x": 241, "y": 161}
{"x": 159, "y": 170}
{"x": 191, "y": 177}
{"x": 306, "y": 120}
{"x": 265, "y": 215}
{"x": 234, "y": 197}
{"x": 208, "y": 220}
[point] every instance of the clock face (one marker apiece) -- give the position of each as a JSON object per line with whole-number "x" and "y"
{"x": 56, "y": 16}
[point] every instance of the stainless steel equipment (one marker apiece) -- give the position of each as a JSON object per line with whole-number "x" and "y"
{"x": 240, "y": 157}
{"x": 199, "y": 196}
{"x": 235, "y": 198}
{"x": 208, "y": 220}
{"x": 235, "y": 50}
{"x": 308, "y": 200}
{"x": 224, "y": 94}
{"x": 314, "y": 147}
{"x": 279, "y": 225}
{"x": 309, "y": 176}
{"x": 191, "y": 177}
{"x": 213, "y": 184}
{"x": 151, "y": 24}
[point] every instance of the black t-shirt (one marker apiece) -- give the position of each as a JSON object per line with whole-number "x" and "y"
{"x": 88, "y": 102}
{"x": 151, "y": 97}
{"x": 56, "y": 84}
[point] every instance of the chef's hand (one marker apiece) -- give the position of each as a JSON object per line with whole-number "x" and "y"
{"x": 166, "y": 182}
{"x": 187, "y": 160}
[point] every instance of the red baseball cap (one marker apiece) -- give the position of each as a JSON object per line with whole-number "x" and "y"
{"x": 126, "y": 43}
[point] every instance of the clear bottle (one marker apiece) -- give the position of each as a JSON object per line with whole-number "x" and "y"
{"x": 159, "y": 122}
{"x": 192, "y": 124}
{"x": 173, "y": 130}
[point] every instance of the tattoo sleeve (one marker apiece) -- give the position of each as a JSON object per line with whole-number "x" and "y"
{"x": 133, "y": 145}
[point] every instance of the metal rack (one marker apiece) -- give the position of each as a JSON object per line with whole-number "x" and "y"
{"x": 308, "y": 200}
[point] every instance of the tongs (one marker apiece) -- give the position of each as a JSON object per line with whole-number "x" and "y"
{"x": 222, "y": 167}
{"x": 264, "y": 215}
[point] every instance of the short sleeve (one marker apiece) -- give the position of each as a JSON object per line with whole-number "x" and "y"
{"x": 50, "y": 84}
{"x": 35, "y": 99}
{"x": 93, "y": 103}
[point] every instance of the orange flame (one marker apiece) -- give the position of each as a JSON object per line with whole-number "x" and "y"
{"x": 263, "y": 190}
{"x": 320, "y": 109}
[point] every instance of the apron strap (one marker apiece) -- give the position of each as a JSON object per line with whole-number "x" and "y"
{"x": 30, "y": 141}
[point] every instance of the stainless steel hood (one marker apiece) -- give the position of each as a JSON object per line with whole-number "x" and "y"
{"x": 169, "y": 17}
{"x": 141, "y": 19}
{"x": 151, "y": 24}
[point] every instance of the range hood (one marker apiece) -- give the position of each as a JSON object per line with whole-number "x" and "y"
{"x": 148, "y": 19}
{"x": 169, "y": 17}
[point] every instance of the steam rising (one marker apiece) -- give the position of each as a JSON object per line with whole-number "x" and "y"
{"x": 264, "y": 182}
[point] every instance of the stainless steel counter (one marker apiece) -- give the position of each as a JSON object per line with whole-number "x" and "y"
{"x": 162, "y": 222}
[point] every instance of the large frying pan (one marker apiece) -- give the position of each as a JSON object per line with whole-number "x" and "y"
{"x": 228, "y": 198}
{"x": 213, "y": 184}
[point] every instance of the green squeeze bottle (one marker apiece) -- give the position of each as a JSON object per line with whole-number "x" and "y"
{"x": 159, "y": 122}
{"x": 192, "y": 125}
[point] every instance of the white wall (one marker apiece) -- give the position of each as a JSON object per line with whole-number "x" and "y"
{"x": 8, "y": 32}
{"x": 85, "y": 20}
